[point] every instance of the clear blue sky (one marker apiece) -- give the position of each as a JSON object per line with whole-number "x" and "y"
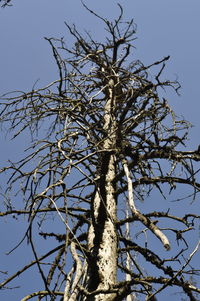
{"x": 163, "y": 28}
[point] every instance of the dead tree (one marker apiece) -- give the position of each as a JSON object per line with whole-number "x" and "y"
{"x": 104, "y": 138}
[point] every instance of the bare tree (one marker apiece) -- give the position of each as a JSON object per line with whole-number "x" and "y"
{"x": 112, "y": 140}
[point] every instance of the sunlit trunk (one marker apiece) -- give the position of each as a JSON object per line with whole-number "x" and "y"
{"x": 102, "y": 238}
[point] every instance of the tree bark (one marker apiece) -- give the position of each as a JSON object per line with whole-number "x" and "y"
{"x": 102, "y": 238}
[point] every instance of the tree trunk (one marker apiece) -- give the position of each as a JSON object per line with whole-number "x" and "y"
{"x": 102, "y": 238}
